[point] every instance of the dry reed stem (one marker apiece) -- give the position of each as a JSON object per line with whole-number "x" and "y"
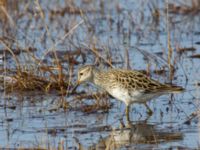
{"x": 10, "y": 50}
{"x": 46, "y": 27}
{"x": 151, "y": 56}
{"x": 98, "y": 55}
{"x": 127, "y": 60}
{"x": 7, "y": 15}
{"x": 59, "y": 66}
{"x": 170, "y": 51}
{"x": 60, "y": 79}
{"x": 62, "y": 38}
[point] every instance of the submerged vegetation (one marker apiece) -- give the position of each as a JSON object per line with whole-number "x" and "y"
{"x": 43, "y": 43}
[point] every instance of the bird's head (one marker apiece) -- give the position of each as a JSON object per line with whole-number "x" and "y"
{"x": 85, "y": 74}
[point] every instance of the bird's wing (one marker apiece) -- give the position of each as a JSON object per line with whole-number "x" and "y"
{"x": 135, "y": 80}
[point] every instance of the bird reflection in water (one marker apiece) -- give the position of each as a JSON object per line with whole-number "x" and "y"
{"x": 138, "y": 133}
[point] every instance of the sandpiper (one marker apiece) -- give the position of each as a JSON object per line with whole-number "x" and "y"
{"x": 129, "y": 86}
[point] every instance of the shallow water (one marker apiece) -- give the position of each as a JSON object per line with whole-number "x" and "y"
{"x": 126, "y": 33}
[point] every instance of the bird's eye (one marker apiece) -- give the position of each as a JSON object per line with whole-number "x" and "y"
{"x": 81, "y": 74}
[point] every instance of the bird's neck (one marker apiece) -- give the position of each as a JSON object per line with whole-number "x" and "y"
{"x": 97, "y": 78}
{"x": 95, "y": 73}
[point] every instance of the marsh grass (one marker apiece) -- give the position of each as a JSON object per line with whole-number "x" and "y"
{"x": 47, "y": 62}
{"x": 55, "y": 70}
{"x": 57, "y": 78}
{"x": 25, "y": 81}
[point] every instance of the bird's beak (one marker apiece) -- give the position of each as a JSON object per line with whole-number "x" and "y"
{"x": 75, "y": 87}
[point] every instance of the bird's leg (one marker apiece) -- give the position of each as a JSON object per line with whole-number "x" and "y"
{"x": 127, "y": 113}
{"x": 150, "y": 112}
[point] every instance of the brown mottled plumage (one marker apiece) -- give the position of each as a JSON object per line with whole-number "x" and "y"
{"x": 128, "y": 86}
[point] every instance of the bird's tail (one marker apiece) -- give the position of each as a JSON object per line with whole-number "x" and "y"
{"x": 177, "y": 89}
{"x": 174, "y": 89}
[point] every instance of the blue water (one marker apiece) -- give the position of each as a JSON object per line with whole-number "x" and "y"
{"x": 118, "y": 26}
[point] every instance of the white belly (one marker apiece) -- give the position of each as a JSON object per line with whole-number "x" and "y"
{"x": 125, "y": 96}
{"x": 131, "y": 97}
